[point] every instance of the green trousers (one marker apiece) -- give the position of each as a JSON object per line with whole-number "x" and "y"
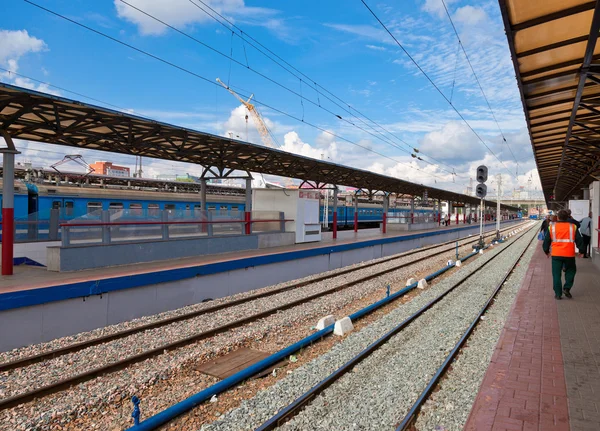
{"x": 570, "y": 269}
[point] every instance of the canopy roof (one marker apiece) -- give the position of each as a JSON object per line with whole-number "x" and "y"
{"x": 41, "y": 117}
{"x": 554, "y": 50}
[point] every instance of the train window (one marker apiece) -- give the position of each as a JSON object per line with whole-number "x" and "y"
{"x": 197, "y": 207}
{"x": 211, "y": 207}
{"x": 187, "y": 207}
{"x": 153, "y": 209}
{"x": 135, "y": 209}
{"x": 235, "y": 208}
{"x": 223, "y": 209}
{"x": 170, "y": 207}
{"x": 56, "y": 205}
{"x": 93, "y": 206}
{"x": 69, "y": 210}
{"x": 115, "y": 206}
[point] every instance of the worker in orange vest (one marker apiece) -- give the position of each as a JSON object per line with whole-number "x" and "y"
{"x": 560, "y": 241}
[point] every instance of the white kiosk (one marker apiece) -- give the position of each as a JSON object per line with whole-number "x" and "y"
{"x": 299, "y": 205}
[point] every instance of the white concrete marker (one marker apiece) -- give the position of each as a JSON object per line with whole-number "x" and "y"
{"x": 410, "y": 281}
{"x": 481, "y": 251}
{"x": 343, "y": 326}
{"x": 458, "y": 264}
{"x": 422, "y": 284}
{"x": 325, "y": 322}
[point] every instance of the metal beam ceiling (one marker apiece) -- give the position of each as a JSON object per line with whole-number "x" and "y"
{"x": 557, "y": 65}
{"x": 41, "y": 117}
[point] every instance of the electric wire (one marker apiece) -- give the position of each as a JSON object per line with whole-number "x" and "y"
{"x": 308, "y": 80}
{"x": 298, "y": 94}
{"x": 477, "y": 80}
{"x": 434, "y": 85}
{"x": 194, "y": 74}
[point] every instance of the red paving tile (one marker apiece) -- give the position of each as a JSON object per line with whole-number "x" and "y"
{"x": 524, "y": 388}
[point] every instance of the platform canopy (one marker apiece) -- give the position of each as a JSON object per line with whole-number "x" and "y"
{"x": 557, "y": 64}
{"x": 41, "y": 117}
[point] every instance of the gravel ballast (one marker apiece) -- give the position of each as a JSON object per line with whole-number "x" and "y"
{"x": 90, "y": 397}
{"x": 449, "y": 406}
{"x": 379, "y": 391}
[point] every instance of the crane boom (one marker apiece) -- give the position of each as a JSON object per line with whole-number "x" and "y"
{"x": 262, "y": 128}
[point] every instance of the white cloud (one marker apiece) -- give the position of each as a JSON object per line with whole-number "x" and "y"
{"x": 453, "y": 142}
{"x": 436, "y": 7}
{"x": 293, "y": 144}
{"x": 183, "y": 13}
{"x": 15, "y": 44}
{"x": 376, "y": 47}
{"x": 470, "y": 16}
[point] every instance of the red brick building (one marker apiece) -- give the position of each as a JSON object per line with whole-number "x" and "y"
{"x": 107, "y": 168}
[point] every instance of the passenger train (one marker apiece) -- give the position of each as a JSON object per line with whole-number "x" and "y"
{"x": 35, "y": 202}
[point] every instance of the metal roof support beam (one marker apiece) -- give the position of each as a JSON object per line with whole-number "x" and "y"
{"x": 553, "y": 16}
{"x": 589, "y": 172}
{"x": 588, "y": 107}
{"x": 587, "y": 61}
{"x": 583, "y": 141}
{"x": 583, "y": 126}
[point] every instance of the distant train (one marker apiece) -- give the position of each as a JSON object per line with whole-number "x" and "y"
{"x": 35, "y": 202}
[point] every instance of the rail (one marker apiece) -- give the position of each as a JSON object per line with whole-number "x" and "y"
{"x": 107, "y": 232}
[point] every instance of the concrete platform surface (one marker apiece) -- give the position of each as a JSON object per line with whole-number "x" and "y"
{"x": 545, "y": 372}
{"x": 29, "y": 277}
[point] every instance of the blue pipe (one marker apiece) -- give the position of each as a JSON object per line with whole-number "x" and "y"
{"x": 189, "y": 403}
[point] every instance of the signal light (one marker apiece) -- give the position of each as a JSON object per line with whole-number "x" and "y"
{"x": 482, "y": 174}
{"x": 481, "y": 190}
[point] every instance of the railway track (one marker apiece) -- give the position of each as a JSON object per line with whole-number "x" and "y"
{"x": 62, "y": 384}
{"x": 288, "y": 412}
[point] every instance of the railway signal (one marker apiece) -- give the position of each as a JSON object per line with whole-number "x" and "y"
{"x": 481, "y": 192}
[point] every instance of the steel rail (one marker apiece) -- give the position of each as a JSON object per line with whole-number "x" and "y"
{"x": 414, "y": 410}
{"x": 125, "y": 362}
{"x": 44, "y": 356}
{"x": 297, "y": 405}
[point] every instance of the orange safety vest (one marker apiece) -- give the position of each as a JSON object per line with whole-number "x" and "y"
{"x": 563, "y": 235}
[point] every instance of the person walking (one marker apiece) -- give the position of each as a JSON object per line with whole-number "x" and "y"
{"x": 570, "y": 219}
{"x": 545, "y": 223}
{"x": 586, "y": 233}
{"x": 560, "y": 241}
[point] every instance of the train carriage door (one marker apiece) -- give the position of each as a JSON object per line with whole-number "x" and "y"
{"x": 69, "y": 206}
{"x": 32, "y": 212}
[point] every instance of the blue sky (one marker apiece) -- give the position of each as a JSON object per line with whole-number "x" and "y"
{"x": 337, "y": 44}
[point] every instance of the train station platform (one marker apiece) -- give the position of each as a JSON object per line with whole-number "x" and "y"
{"x": 545, "y": 372}
{"x": 47, "y": 305}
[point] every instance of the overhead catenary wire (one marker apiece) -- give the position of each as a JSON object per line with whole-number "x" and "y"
{"x": 232, "y": 59}
{"x": 477, "y": 80}
{"x": 203, "y": 78}
{"x": 230, "y": 26}
{"x": 434, "y": 85}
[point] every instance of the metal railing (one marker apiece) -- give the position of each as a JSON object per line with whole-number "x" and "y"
{"x": 212, "y": 225}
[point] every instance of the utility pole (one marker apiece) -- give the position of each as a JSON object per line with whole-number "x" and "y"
{"x": 498, "y": 194}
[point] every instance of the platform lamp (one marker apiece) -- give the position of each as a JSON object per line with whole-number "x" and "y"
{"x": 481, "y": 192}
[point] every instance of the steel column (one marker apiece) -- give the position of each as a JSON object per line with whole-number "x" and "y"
{"x": 355, "y": 213}
{"x": 8, "y": 208}
{"x": 203, "y": 194}
{"x": 249, "y": 194}
{"x": 385, "y": 210}
{"x": 335, "y": 202}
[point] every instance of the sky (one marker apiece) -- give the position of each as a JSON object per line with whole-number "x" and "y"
{"x": 328, "y": 80}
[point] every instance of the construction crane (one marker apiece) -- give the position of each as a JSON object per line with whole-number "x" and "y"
{"x": 262, "y": 128}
